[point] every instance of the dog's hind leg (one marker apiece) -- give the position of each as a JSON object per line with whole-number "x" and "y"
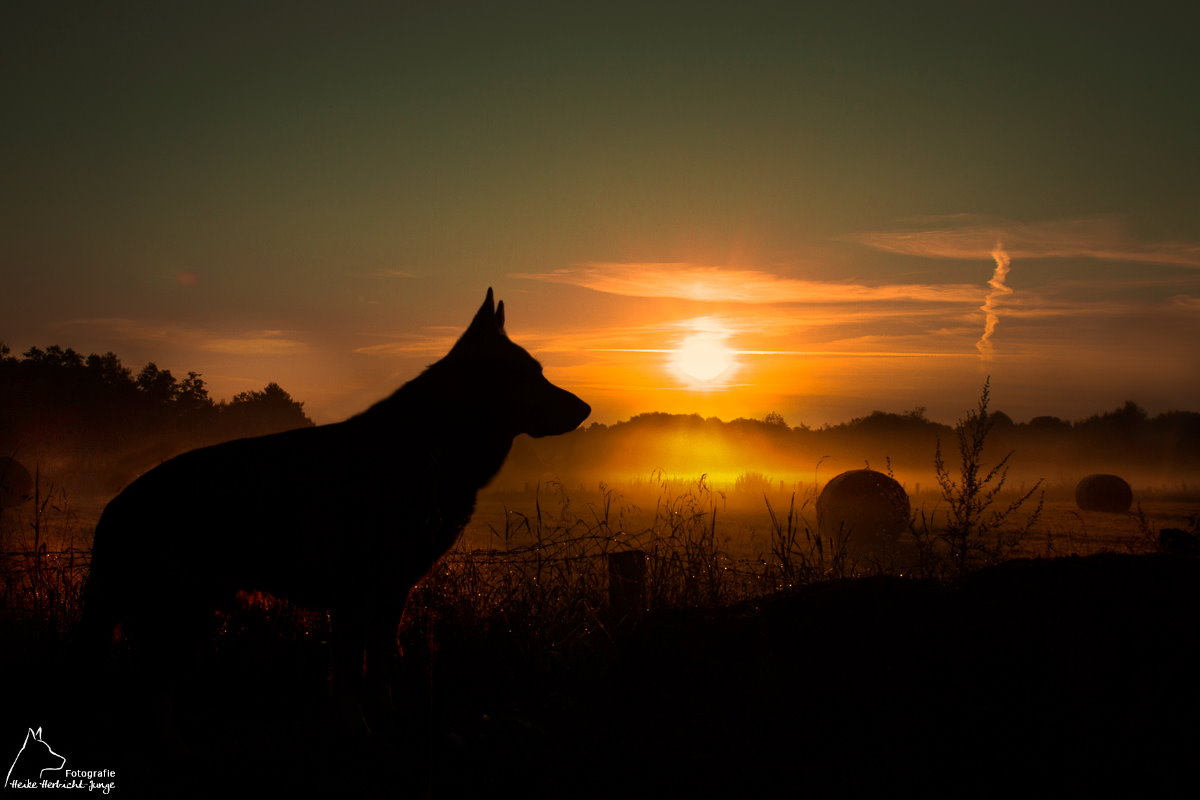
{"x": 347, "y": 671}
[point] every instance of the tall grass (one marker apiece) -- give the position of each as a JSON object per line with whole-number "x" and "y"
{"x": 547, "y": 580}
{"x": 798, "y": 554}
{"x": 44, "y": 559}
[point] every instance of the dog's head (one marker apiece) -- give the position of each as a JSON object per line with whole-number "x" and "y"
{"x": 516, "y": 388}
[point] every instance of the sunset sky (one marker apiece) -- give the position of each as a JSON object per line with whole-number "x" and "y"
{"x": 319, "y": 195}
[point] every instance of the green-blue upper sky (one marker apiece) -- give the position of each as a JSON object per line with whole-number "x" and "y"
{"x": 319, "y": 193}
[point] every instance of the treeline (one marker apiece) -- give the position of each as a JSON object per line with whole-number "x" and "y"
{"x": 1125, "y": 439}
{"x": 61, "y": 408}
{"x": 93, "y": 415}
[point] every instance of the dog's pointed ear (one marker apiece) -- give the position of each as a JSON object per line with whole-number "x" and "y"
{"x": 487, "y": 323}
{"x": 485, "y": 317}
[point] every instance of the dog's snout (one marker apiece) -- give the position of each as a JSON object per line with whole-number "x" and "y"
{"x": 583, "y": 409}
{"x": 559, "y": 411}
{"x": 572, "y": 410}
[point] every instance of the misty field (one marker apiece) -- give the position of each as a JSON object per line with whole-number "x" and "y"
{"x": 743, "y": 521}
{"x": 709, "y": 542}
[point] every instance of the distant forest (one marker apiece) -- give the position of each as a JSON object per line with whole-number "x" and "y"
{"x": 66, "y": 412}
{"x": 1162, "y": 449}
{"x": 97, "y": 423}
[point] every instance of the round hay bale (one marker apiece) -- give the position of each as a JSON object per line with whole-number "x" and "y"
{"x": 868, "y": 505}
{"x": 16, "y": 484}
{"x": 1102, "y": 492}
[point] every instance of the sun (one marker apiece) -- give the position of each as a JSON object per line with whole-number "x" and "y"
{"x": 703, "y": 357}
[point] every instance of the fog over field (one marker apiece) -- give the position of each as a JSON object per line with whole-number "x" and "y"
{"x": 1156, "y": 453}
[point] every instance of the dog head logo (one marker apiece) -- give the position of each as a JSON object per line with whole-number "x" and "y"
{"x": 34, "y": 759}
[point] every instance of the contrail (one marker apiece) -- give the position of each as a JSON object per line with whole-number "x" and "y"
{"x": 999, "y": 289}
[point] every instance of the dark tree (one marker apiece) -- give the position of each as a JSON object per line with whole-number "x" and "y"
{"x": 268, "y": 411}
{"x": 97, "y": 416}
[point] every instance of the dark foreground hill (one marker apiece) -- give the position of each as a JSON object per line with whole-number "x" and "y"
{"x": 1062, "y": 677}
{"x": 1066, "y": 677}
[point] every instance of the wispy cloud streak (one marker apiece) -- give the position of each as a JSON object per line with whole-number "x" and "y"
{"x": 237, "y": 343}
{"x": 999, "y": 290}
{"x": 724, "y": 285}
{"x": 435, "y": 341}
{"x": 968, "y": 236}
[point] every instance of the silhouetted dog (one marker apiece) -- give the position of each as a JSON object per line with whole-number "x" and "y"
{"x": 344, "y": 517}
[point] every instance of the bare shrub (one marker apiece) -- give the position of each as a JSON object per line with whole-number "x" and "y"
{"x": 979, "y": 527}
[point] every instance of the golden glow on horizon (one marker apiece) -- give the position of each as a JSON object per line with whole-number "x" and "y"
{"x": 703, "y": 357}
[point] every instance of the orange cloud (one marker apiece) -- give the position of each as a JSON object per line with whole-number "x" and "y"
{"x": 239, "y": 343}
{"x": 724, "y": 285}
{"x": 413, "y": 344}
{"x": 265, "y": 343}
